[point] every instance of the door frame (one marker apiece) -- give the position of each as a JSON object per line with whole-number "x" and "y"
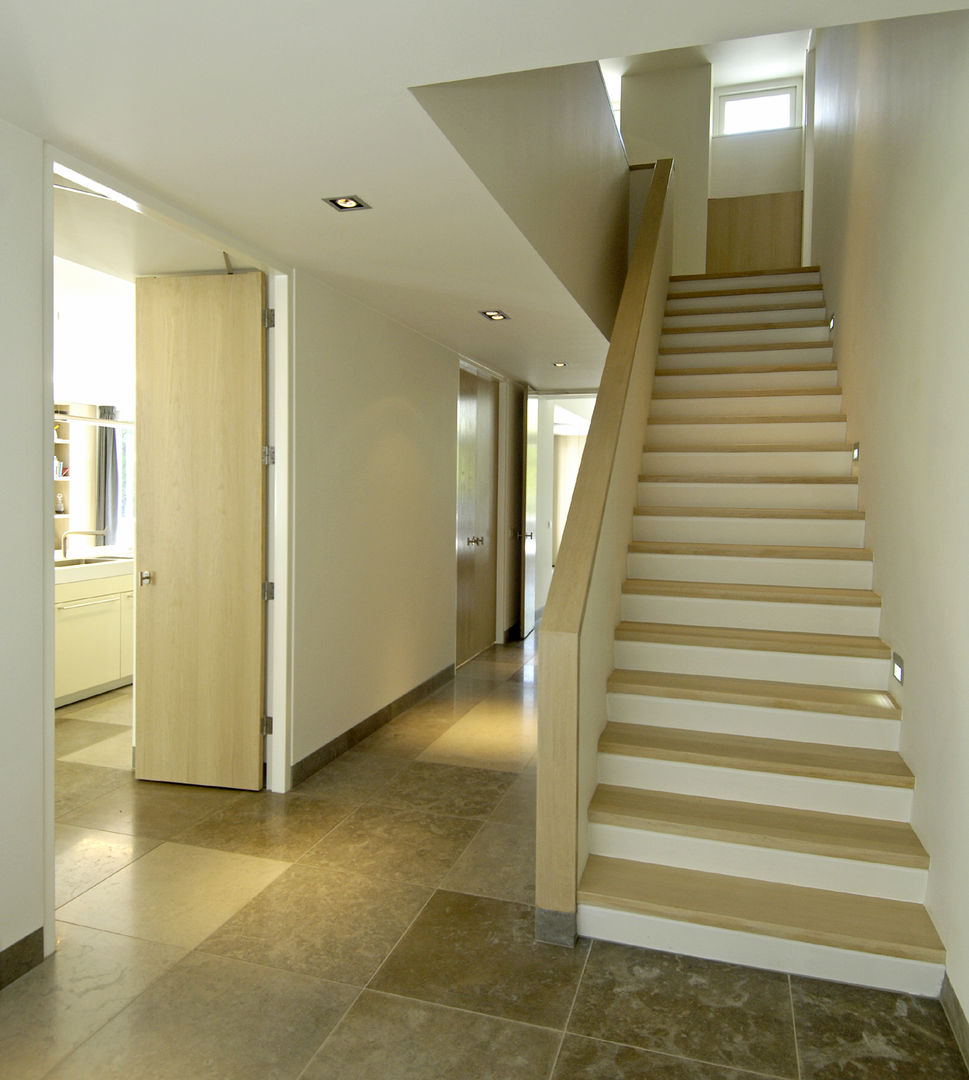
{"x": 279, "y": 361}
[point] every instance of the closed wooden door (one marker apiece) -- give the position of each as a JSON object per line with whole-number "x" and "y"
{"x": 200, "y": 530}
{"x": 476, "y": 513}
{"x": 529, "y": 512}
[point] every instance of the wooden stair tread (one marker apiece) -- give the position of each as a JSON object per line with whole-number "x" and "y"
{"x": 750, "y": 551}
{"x": 719, "y": 479}
{"x": 774, "y": 369}
{"x": 810, "y": 831}
{"x": 744, "y": 309}
{"x": 730, "y": 328}
{"x": 785, "y": 594}
{"x": 731, "y": 637}
{"x": 758, "y": 418}
{"x": 720, "y": 274}
{"x": 790, "y": 391}
{"x": 804, "y": 697}
{"x": 815, "y": 760}
{"x": 805, "y": 513}
{"x": 752, "y": 448}
{"x": 767, "y": 346}
{"x": 842, "y": 920}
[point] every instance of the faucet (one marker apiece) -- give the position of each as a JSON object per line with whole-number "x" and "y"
{"x": 78, "y": 532}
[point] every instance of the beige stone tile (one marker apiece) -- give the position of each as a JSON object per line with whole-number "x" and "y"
{"x": 354, "y": 777}
{"x": 518, "y": 805}
{"x": 74, "y": 734}
{"x": 84, "y": 857}
{"x": 175, "y": 894}
{"x": 214, "y": 1018}
{"x": 114, "y": 707}
{"x": 407, "y": 735}
{"x": 430, "y": 1042}
{"x": 77, "y": 785}
{"x": 498, "y": 733}
{"x": 593, "y": 1059}
{"x": 52, "y": 1009}
{"x": 113, "y": 753}
{"x": 499, "y": 862}
{"x": 323, "y": 922}
{"x": 448, "y": 789}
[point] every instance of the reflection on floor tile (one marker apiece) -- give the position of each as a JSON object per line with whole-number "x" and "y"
{"x": 84, "y": 857}
{"x": 114, "y": 707}
{"x": 402, "y": 845}
{"x": 850, "y": 1031}
{"x": 212, "y": 1017}
{"x": 77, "y": 785}
{"x": 322, "y": 922}
{"x": 448, "y": 789}
{"x": 480, "y": 954}
{"x": 497, "y": 733}
{"x": 499, "y": 862}
{"x": 71, "y": 734}
{"x": 174, "y": 894}
{"x": 718, "y": 1013}
{"x": 397, "y": 1039}
{"x": 92, "y": 976}
{"x": 592, "y": 1059}
{"x": 113, "y": 753}
{"x": 407, "y": 735}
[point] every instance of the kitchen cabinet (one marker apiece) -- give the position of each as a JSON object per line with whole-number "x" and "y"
{"x": 93, "y": 630}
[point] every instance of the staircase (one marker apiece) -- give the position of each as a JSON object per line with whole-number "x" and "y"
{"x": 752, "y": 804}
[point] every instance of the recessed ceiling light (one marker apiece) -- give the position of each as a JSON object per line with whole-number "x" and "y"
{"x": 559, "y": 363}
{"x": 494, "y": 315}
{"x": 348, "y": 202}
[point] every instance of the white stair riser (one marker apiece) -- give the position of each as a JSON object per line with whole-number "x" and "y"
{"x": 772, "y": 789}
{"x": 793, "y": 298}
{"x": 747, "y": 463}
{"x": 760, "y": 863}
{"x": 745, "y": 336}
{"x": 660, "y": 436}
{"x": 745, "y": 281}
{"x": 745, "y": 358}
{"x": 760, "y": 405}
{"x": 740, "y": 570}
{"x": 751, "y": 614}
{"x": 718, "y": 717}
{"x": 749, "y": 530}
{"x": 777, "y": 496}
{"x": 745, "y": 380}
{"x": 761, "y": 951}
{"x": 701, "y": 318}
{"x": 821, "y": 670}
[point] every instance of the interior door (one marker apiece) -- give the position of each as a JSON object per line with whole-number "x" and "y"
{"x": 200, "y": 529}
{"x": 475, "y": 538}
{"x": 529, "y": 512}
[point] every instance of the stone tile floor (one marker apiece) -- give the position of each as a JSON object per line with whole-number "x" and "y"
{"x": 377, "y": 923}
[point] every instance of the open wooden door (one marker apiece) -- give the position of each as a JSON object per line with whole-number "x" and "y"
{"x": 529, "y": 512}
{"x": 200, "y": 529}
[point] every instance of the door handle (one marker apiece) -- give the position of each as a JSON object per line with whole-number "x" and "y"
{"x": 145, "y": 577}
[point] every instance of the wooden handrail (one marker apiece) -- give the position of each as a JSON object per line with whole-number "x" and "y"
{"x": 575, "y": 637}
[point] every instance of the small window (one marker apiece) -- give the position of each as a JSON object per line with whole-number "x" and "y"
{"x": 763, "y": 108}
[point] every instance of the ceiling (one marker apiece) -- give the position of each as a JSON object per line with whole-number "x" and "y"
{"x": 245, "y": 116}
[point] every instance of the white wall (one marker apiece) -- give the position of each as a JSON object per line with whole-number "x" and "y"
{"x": 756, "y": 163}
{"x": 544, "y": 471}
{"x": 374, "y": 430}
{"x": 667, "y": 114}
{"x": 26, "y": 494}
{"x": 892, "y": 237}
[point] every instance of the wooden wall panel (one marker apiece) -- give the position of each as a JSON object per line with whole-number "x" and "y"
{"x": 754, "y": 232}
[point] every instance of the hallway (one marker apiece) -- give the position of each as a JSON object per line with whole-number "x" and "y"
{"x": 377, "y": 922}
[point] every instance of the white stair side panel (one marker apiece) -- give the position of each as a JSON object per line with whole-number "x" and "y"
{"x": 746, "y": 336}
{"x": 778, "y": 495}
{"x": 772, "y": 789}
{"x": 808, "y": 354}
{"x": 793, "y": 298}
{"x": 761, "y": 951}
{"x": 751, "y": 614}
{"x": 811, "y": 532}
{"x": 703, "y": 318}
{"x": 744, "y": 380}
{"x": 803, "y": 404}
{"x": 750, "y": 570}
{"x": 747, "y": 463}
{"x": 761, "y": 722}
{"x": 861, "y": 672}
{"x": 760, "y": 863}
{"x": 744, "y": 281}
{"x": 660, "y": 436}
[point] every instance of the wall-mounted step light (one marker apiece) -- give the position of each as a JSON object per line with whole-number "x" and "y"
{"x": 494, "y": 314}
{"x": 347, "y": 202}
{"x": 831, "y": 323}
{"x": 898, "y": 668}
{"x": 855, "y": 451}
{"x": 559, "y": 363}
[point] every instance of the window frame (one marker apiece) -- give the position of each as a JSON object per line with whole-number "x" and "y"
{"x": 775, "y": 87}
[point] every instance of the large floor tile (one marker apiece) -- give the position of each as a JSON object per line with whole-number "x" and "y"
{"x": 447, "y": 789}
{"x": 214, "y": 1018}
{"x": 497, "y": 733}
{"x": 174, "y": 894}
{"x": 72, "y": 734}
{"x": 146, "y": 808}
{"x": 592, "y": 1059}
{"x": 475, "y": 953}
{"x": 323, "y": 922}
{"x": 52, "y": 1009}
{"x": 272, "y": 826}
{"x": 407, "y": 735}
{"x": 518, "y": 805}
{"x": 355, "y": 777}
{"x": 399, "y": 1039}
{"x": 401, "y": 845}
{"x": 84, "y": 857}
{"x": 717, "y": 1013}
{"x": 853, "y": 1033}
{"x": 499, "y": 862}
{"x": 113, "y": 753}
{"x": 77, "y": 786}
{"x": 114, "y": 707}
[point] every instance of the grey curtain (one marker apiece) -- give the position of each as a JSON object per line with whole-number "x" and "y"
{"x": 106, "y": 466}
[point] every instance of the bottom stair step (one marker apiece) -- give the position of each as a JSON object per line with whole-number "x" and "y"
{"x": 889, "y": 928}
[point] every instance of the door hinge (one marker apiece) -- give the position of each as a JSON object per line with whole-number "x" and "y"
{"x": 269, "y": 317}
{"x": 268, "y": 590}
{"x": 266, "y": 725}
{"x": 269, "y": 455}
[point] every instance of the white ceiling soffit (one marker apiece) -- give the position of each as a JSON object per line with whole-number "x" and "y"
{"x": 245, "y": 117}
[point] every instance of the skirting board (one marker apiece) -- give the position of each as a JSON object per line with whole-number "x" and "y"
{"x": 954, "y": 1013}
{"x": 310, "y": 764}
{"x": 19, "y": 958}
